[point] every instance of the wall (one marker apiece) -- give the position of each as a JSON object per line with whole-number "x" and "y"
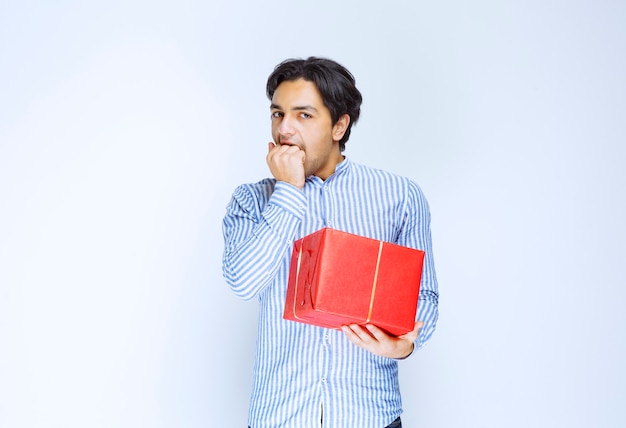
{"x": 125, "y": 126}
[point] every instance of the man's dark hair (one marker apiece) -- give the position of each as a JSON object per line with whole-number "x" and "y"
{"x": 334, "y": 82}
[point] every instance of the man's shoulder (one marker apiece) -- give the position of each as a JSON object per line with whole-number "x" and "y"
{"x": 391, "y": 183}
{"x": 265, "y": 185}
{"x": 381, "y": 174}
{"x": 259, "y": 191}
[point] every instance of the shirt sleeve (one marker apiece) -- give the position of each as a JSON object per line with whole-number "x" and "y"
{"x": 416, "y": 234}
{"x": 258, "y": 235}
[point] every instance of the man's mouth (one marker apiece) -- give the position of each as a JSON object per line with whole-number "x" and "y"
{"x": 289, "y": 143}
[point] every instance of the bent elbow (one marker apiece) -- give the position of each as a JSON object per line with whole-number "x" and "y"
{"x": 239, "y": 287}
{"x": 245, "y": 287}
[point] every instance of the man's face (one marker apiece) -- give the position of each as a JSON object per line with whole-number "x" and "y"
{"x": 300, "y": 118}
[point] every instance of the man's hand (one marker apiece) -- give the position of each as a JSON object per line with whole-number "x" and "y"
{"x": 286, "y": 163}
{"x": 378, "y": 342}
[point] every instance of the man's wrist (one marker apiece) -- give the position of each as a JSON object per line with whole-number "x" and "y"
{"x": 407, "y": 355}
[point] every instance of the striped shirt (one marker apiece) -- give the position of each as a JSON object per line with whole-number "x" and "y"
{"x": 304, "y": 373}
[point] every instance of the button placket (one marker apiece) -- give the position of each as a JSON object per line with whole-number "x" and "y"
{"x": 328, "y": 204}
{"x": 325, "y": 340}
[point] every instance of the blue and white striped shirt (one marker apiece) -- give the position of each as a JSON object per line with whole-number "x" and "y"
{"x": 303, "y": 371}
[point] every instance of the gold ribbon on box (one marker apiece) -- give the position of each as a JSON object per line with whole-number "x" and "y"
{"x": 369, "y": 312}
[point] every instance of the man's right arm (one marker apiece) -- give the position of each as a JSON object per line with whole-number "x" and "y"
{"x": 258, "y": 238}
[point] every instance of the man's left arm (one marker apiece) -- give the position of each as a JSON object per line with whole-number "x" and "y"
{"x": 414, "y": 234}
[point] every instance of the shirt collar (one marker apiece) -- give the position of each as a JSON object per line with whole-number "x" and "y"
{"x": 341, "y": 166}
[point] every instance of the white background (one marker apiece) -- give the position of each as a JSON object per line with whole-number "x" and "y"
{"x": 126, "y": 125}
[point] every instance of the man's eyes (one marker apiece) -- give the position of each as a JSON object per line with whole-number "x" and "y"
{"x": 280, "y": 114}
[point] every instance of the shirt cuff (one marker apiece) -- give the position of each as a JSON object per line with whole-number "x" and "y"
{"x": 289, "y": 198}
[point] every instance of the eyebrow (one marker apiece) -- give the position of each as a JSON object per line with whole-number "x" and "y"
{"x": 296, "y": 108}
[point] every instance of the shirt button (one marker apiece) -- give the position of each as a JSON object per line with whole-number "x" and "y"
{"x": 323, "y": 380}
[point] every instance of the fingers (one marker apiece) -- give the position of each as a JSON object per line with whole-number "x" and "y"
{"x": 284, "y": 154}
{"x": 360, "y": 337}
{"x": 285, "y": 149}
{"x": 286, "y": 163}
{"x": 357, "y": 334}
{"x": 377, "y": 341}
{"x": 376, "y": 332}
{"x": 370, "y": 331}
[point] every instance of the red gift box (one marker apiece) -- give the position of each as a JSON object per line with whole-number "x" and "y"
{"x": 338, "y": 278}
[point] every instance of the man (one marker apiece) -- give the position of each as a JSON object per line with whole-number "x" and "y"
{"x": 307, "y": 376}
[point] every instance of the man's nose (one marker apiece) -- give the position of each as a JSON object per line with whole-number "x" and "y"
{"x": 286, "y": 127}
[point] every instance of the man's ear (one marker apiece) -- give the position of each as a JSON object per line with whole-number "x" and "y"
{"x": 340, "y": 127}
